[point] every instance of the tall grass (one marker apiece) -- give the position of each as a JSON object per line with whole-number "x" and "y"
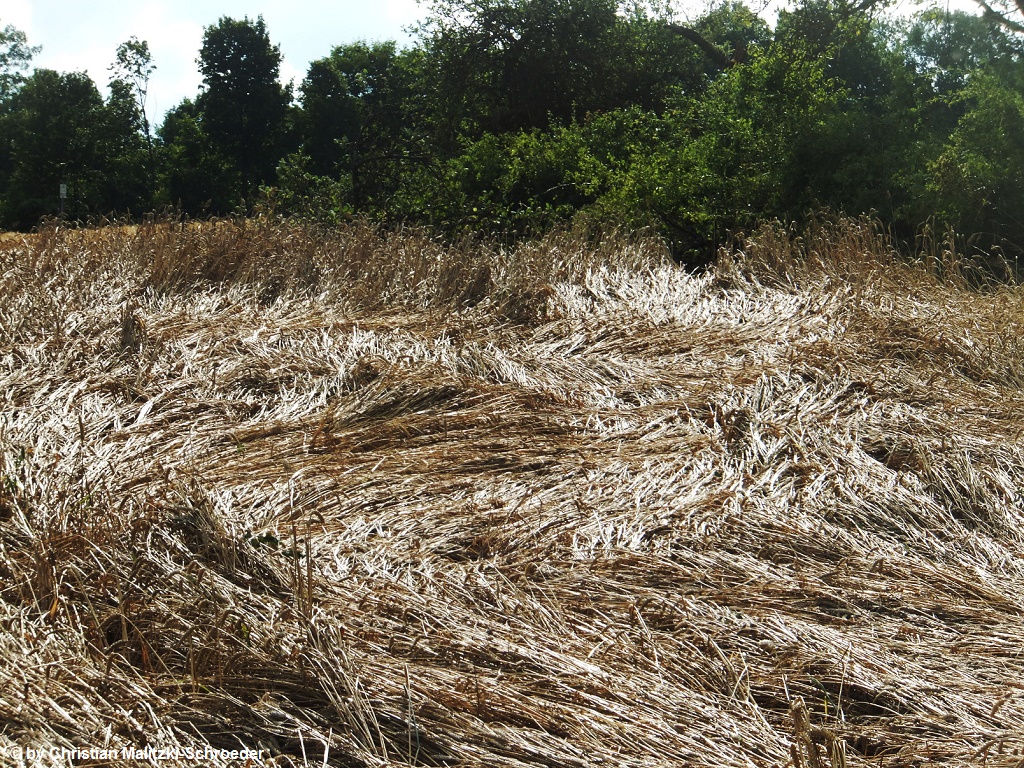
{"x": 361, "y": 498}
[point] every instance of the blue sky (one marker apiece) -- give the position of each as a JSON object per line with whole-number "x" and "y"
{"x": 82, "y": 36}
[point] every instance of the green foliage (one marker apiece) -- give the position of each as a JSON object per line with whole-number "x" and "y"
{"x": 821, "y": 114}
{"x": 134, "y": 64}
{"x": 126, "y": 184}
{"x": 510, "y": 65}
{"x": 302, "y": 194}
{"x": 734, "y": 28}
{"x": 720, "y": 162}
{"x": 244, "y": 107}
{"x": 948, "y": 46}
{"x": 132, "y": 69}
{"x": 59, "y": 130}
{"x": 329, "y": 114}
{"x": 15, "y": 56}
{"x": 362, "y": 119}
{"x": 1008, "y": 14}
{"x": 785, "y": 132}
{"x": 520, "y": 182}
{"x": 194, "y": 176}
{"x": 513, "y": 116}
{"x": 978, "y": 181}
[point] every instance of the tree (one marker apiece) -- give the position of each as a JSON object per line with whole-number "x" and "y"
{"x": 126, "y": 183}
{"x": 329, "y": 115}
{"x": 949, "y": 47}
{"x": 509, "y": 65}
{"x": 133, "y": 66}
{"x": 978, "y": 180}
{"x": 725, "y": 32}
{"x": 15, "y": 57}
{"x": 362, "y": 118}
{"x": 1006, "y": 13}
{"x": 54, "y": 130}
{"x": 193, "y": 174}
{"x": 244, "y": 107}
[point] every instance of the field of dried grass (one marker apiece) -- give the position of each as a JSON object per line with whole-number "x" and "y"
{"x": 366, "y": 500}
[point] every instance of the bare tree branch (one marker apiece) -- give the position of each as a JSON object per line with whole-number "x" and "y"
{"x": 712, "y": 51}
{"x": 1002, "y": 17}
{"x": 723, "y": 61}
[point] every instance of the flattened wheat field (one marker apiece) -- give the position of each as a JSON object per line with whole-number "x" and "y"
{"x": 361, "y": 498}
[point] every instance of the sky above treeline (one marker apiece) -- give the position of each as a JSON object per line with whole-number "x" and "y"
{"x": 79, "y": 36}
{"x": 83, "y": 36}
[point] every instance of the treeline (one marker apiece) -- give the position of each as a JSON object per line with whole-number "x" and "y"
{"x": 515, "y": 115}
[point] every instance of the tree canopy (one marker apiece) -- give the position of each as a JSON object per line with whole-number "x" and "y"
{"x": 243, "y": 105}
{"x": 516, "y": 115}
{"x": 1006, "y": 13}
{"x": 15, "y": 56}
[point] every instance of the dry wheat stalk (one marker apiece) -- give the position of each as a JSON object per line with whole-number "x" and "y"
{"x": 360, "y": 498}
